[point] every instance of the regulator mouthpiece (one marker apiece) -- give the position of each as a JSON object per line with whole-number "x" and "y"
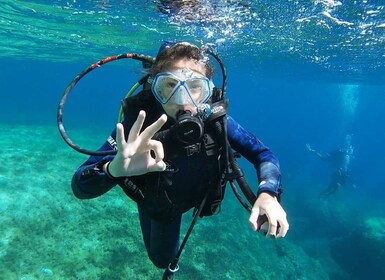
{"x": 188, "y": 128}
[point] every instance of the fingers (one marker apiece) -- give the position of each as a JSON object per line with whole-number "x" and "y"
{"x": 272, "y": 232}
{"x": 120, "y": 141}
{"x": 158, "y": 166}
{"x": 284, "y": 227}
{"x": 150, "y": 131}
{"x": 137, "y": 126}
{"x": 157, "y": 147}
{"x": 270, "y": 221}
{"x": 278, "y": 226}
{"x": 254, "y": 217}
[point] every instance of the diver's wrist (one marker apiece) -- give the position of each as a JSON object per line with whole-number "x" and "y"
{"x": 106, "y": 169}
{"x": 266, "y": 187}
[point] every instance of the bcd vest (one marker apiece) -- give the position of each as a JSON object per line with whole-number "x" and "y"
{"x": 192, "y": 170}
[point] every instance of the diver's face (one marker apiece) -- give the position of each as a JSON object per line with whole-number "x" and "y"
{"x": 180, "y": 68}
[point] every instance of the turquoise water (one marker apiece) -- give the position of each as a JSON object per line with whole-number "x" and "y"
{"x": 298, "y": 72}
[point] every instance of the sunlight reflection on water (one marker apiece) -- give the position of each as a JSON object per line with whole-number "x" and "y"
{"x": 341, "y": 37}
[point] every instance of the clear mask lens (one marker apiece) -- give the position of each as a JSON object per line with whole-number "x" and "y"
{"x": 192, "y": 90}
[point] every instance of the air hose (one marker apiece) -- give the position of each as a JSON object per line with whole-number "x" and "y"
{"x": 63, "y": 133}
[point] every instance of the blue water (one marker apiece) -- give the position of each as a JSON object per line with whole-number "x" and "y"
{"x": 287, "y": 98}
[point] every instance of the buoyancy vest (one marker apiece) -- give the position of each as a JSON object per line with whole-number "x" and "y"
{"x": 192, "y": 170}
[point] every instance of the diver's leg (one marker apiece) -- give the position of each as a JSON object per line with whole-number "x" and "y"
{"x": 326, "y": 193}
{"x": 160, "y": 238}
{"x": 334, "y": 189}
{"x": 322, "y": 195}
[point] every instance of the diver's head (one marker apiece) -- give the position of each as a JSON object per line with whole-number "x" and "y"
{"x": 181, "y": 78}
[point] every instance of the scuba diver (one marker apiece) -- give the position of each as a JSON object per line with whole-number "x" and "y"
{"x": 340, "y": 159}
{"x": 171, "y": 155}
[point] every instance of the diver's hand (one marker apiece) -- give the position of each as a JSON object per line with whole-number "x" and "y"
{"x": 309, "y": 148}
{"x": 134, "y": 155}
{"x": 268, "y": 205}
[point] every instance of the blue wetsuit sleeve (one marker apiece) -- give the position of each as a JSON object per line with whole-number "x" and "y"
{"x": 89, "y": 180}
{"x": 265, "y": 162}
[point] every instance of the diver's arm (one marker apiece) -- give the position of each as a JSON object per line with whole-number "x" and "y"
{"x": 263, "y": 159}
{"x": 90, "y": 179}
{"x": 323, "y": 156}
{"x": 269, "y": 175}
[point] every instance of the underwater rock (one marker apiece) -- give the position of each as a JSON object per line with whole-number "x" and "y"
{"x": 374, "y": 228}
{"x": 46, "y": 272}
{"x": 361, "y": 252}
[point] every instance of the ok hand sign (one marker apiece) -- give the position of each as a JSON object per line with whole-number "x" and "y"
{"x": 134, "y": 155}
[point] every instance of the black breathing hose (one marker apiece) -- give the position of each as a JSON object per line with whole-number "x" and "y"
{"x": 63, "y": 133}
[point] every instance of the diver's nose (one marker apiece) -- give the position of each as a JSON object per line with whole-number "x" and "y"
{"x": 181, "y": 97}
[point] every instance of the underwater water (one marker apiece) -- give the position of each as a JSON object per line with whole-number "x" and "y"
{"x": 299, "y": 72}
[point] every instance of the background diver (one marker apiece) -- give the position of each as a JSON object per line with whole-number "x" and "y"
{"x": 340, "y": 160}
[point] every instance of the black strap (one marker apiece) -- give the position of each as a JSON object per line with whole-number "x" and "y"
{"x": 173, "y": 266}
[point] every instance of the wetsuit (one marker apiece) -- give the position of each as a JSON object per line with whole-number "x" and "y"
{"x": 181, "y": 181}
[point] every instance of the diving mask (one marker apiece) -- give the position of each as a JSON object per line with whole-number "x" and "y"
{"x": 182, "y": 87}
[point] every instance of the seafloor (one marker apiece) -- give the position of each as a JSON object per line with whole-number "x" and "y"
{"x": 47, "y": 233}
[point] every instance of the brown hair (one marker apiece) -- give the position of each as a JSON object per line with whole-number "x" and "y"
{"x": 177, "y": 52}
